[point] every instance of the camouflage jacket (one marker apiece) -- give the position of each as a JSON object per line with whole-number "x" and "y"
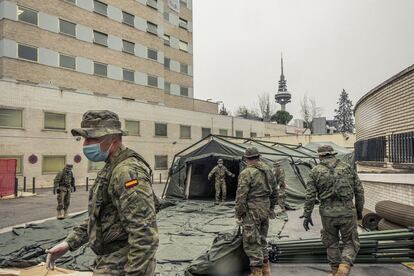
{"x": 219, "y": 173}
{"x": 64, "y": 179}
{"x": 335, "y": 184}
{"x": 121, "y": 212}
{"x": 279, "y": 174}
{"x": 256, "y": 191}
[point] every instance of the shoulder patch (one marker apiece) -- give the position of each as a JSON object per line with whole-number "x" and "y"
{"x": 131, "y": 183}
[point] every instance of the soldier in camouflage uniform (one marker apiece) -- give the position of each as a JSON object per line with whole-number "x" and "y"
{"x": 256, "y": 198}
{"x": 121, "y": 228}
{"x": 335, "y": 184}
{"x": 219, "y": 173}
{"x": 63, "y": 184}
{"x": 279, "y": 174}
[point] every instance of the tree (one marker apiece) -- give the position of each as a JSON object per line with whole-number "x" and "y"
{"x": 247, "y": 113}
{"x": 223, "y": 111}
{"x": 309, "y": 110}
{"x": 282, "y": 117}
{"x": 266, "y": 107}
{"x": 344, "y": 115}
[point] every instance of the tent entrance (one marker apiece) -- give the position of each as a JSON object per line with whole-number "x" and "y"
{"x": 199, "y": 185}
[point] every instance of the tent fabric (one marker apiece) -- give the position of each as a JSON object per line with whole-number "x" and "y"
{"x": 225, "y": 257}
{"x": 186, "y": 229}
{"x": 295, "y": 159}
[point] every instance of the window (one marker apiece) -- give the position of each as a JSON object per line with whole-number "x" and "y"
{"x": 152, "y": 81}
{"x": 100, "y": 7}
{"x": 19, "y": 162}
{"x": 167, "y": 87}
{"x": 183, "y": 46}
{"x": 67, "y": 27}
{"x": 152, "y": 28}
{"x": 166, "y": 39}
{"x": 183, "y": 23}
{"x": 223, "y": 132}
{"x": 185, "y": 132}
{"x": 27, "y": 15}
{"x": 184, "y": 68}
{"x": 160, "y": 129}
{"x": 253, "y": 134}
{"x": 152, "y": 54}
{"x": 183, "y": 3}
{"x": 95, "y": 166}
{"x": 128, "y": 47}
{"x": 161, "y": 162}
{"x": 55, "y": 121}
{"x": 132, "y": 127}
{"x": 100, "y": 38}
{"x": 239, "y": 133}
{"x": 100, "y": 69}
{"x": 11, "y": 118}
{"x": 167, "y": 62}
{"x": 205, "y": 131}
{"x": 128, "y": 75}
{"x": 184, "y": 91}
{"x": 128, "y": 18}
{"x": 53, "y": 163}
{"x": 27, "y": 52}
{"x": 152, "y": 4}
{"x": 67, "y": 61}
{"x": 267, "y": 135}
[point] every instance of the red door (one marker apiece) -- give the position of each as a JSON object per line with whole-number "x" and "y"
{"x": 7, "y": 176}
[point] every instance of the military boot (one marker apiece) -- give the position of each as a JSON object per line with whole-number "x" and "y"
{"x": 65, "y": 213}
{"x": 266, "y": 269}
{"x": 59, "y": 215}
{"x": 334, "y": 270}
{"x": 256, "y": 271}
{"x": 343, "y": 270}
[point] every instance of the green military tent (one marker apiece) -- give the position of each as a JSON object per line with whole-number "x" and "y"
{"x": 188, "y": 173}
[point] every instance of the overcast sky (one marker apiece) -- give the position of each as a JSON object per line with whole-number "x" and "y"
{"x": 327, "y": 45}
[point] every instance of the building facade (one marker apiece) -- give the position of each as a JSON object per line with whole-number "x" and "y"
{"x": 384, "y": 147}
{"x": 36, "y": 121}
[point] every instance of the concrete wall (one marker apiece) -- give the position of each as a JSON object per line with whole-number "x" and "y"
{"x": 346, "y": 141}
{"x": 34, "y": 139}
{"x": 378, "y": 191}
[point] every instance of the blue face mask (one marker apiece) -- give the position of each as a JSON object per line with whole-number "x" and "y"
{"x": 94, "y": 153}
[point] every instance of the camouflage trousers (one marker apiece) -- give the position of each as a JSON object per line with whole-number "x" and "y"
{"x": 114, "y": 264}
{"x": 347, "y": 227}
{"x": 63, "y": 198}
{"x": 282, "y": 198}
{"x": 255, "y": 231}
{"x": 221, "y": 188}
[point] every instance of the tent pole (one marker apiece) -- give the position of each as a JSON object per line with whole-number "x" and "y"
{"x": 187, "y": 186}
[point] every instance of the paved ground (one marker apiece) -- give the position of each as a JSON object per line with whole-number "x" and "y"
{"x": 21, "y": 210}
{"x": 42, "y": 206}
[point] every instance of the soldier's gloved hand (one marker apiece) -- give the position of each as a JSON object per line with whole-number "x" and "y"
{"x": 55, "y": 253}
{"x": 233, "y": 175}
{"x": 306, "y": 222}
{"x": 359, "y": 215}
{"x": 239, "y": 221}
{"x": 272, "y": 214}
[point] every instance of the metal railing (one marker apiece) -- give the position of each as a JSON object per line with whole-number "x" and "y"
{"x": 371, "y": 149}
{"x": 401, "y": 148}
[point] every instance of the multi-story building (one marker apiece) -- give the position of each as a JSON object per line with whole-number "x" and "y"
{"x": 384, "y": 147}
{"x": 60, "y": 58}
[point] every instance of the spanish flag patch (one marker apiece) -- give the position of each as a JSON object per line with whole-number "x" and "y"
{"x": 131, "y": 183}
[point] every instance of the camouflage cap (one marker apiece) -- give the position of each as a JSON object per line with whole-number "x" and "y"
{"x": 98, "y": 123}
{"x": 326, "y": 150}
{"x": 220, "y": 161}
{"x": 251, "y": 152}
{"x": 69, "y": 166}
{"x": 277, "y": 163}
